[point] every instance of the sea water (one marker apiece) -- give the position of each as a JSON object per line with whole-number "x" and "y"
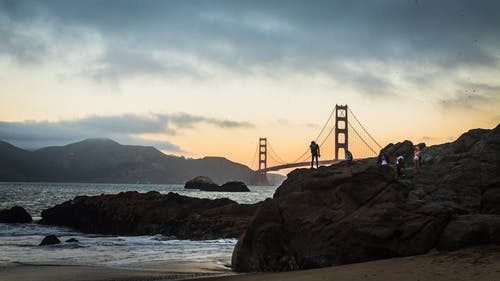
{"x": 19, "y": 242}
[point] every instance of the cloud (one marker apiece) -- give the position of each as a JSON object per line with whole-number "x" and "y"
{"x": 171, "y": 39}
{"x": 125, "y": 128}
{"x": 187, "y": 120}
{"x": 472, "y": 96}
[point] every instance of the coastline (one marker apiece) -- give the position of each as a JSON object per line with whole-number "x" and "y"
{"x": 481, "y": 263}
{"x": 139, "y": 271}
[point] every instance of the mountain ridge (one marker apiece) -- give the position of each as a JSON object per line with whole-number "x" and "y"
{"x": 105, "y": 160}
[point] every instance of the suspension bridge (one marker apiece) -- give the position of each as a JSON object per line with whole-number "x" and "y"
{"x": 343, "y": 131}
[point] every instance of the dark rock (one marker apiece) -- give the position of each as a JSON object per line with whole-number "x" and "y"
{"x": 207, "y": 184}
{"x": 405, "y": 149}
{"x": 490, "y": 200}
{"x": 202, "y": 183}
{"x": 344, "y": 214}
{"x": 470, "y": 230}
{"x": 15, "y": 214}
{"x": 234, "y": 186}
{"x": 133, "y": 213}
{"x": 336, "y": 215}
{"x": 72, "y": 240}
{"x": 465, "y": 172}
{"x": 50, "y": 240}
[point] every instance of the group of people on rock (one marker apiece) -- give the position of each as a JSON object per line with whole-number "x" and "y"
{"x": 383, "y": 159}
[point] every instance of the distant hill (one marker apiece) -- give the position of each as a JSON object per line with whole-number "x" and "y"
{"x": 104, "y": 160}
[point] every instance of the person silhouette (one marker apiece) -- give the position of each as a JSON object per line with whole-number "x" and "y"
{"x": 348, "y": 156}
{"x": 400, "y": 166}
{"x": 314, "y": 153}
{"x": 417, "y": 158}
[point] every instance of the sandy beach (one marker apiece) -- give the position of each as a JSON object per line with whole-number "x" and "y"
{"x": 145, "y": 271}
{"x": 477, "y": 263}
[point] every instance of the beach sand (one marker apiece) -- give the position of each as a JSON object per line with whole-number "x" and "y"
{"x": 145, "y": 271}
{"x": 477, "y": 263}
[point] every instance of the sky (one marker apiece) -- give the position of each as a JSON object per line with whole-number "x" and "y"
{"x": 208, "y": 78}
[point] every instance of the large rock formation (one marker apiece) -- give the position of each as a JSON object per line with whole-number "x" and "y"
{"x": 133, "y": 213}
{"x": 360, "y": 212}
{"x": 337, "y": 215}
{"x": 15, "y": 214}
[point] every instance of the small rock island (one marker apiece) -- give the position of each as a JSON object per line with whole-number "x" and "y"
{"x": 207, "y": 184}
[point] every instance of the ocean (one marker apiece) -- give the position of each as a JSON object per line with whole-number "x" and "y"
{"x": 19, "y": 242}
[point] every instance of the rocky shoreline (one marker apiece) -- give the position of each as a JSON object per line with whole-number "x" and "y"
{"x": 134, "y": 213}
{"x": 344, "y": 213}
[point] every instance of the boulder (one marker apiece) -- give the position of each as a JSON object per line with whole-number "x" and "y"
{"x": 336, "y": 215}
{"x": 202, "y": 183}
{"x": 50, "y": 240}
{"x": 404, "y": 148}
{"x": 470, "y": 230}
{"x": 15, "y": 214}
{"x": 134, "y": 213}
{"x": 234, "y": 186}
{"x": 72, "y": 240}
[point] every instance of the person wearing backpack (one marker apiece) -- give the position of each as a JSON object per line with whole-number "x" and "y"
{"x": 314, "y": 153}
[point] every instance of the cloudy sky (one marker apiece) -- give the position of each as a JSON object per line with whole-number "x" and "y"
{"x": 198, "y": 78}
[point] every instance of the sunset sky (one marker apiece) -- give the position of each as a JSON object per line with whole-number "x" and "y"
{"x": 208, "y": 78}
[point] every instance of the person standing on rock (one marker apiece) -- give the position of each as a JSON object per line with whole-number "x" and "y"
{"x": 416, "y": 158}
{"x": 314, "y": 153}
{"x": 400, "y": 165}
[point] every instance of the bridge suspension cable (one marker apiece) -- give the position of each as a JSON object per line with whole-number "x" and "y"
{"x": 317, "y": 137}
{"x": 364, "y": 129}
{"x": 255, "y": 155}
{"x": 360, "y": 137}
{"x": 274, "y": 155}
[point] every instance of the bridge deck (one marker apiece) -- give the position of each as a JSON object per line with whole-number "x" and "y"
{"x": 299, "y": 164}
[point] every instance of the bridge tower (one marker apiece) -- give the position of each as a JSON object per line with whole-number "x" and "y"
{"x": 262, "y": 176}
{"x": 341, "y": 129}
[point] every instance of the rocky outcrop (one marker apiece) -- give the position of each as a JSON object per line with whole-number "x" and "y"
{"x": 336, "y": 215}
{"x": 50, "y": 240}
{"x": 353, "y": 213}
{"x": 404, "y": 149}
{"x": 464, "y": 173}
{"x": 234, "y": 186}
{"x": 202, "y": 183}
{"x": 207, "y": 184}
{"x": 133, "y": 213}
{"x": 15, "y": 214}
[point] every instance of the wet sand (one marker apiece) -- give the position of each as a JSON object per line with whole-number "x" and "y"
{"x": 478, "y": 263}
{"x": 147, "y": 271}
